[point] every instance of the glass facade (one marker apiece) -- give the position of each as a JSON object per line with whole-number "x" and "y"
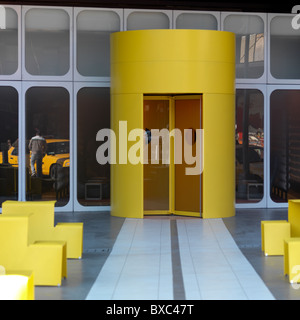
{"x": 192, "y": 20}
{"x": 93, "y": 114}
{"x": 47, "y": 111}
{"x": 9, "y": 118}
{"x": 142, "y": 20}
{"x": 250, "y": 44}
{"x": 93, "y": 29}
{"x": 47, "y": 42}
{"x": 9, "y": 44}
{"x": 284, "y": 145}
{"x": 55, "y": 76}
{"x": 284, "y": 46}
{"x": 249, "y": 145}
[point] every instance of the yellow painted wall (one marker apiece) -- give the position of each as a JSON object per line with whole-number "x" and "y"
{"x": 176, "y": 62}
{"x": 219, "y": 155}
{"x": 126, "y": 179}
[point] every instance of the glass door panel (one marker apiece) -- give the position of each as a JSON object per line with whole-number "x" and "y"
{"x": 284, "y": 145}
{"x": 156, "y": 171}
{"x": 93, "y": 114}
{"x": 249, "y": 146}
{"x": 9, "y": 101}
{"x": 47, "y": 111}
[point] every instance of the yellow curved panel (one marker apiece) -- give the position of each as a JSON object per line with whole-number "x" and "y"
{"x": 155, "y": 61}
{"x": 126, "y": 178}
{"x": 219, "y": 156}
{"x": 173, "y": 77}
{"x": 187, "y": 45}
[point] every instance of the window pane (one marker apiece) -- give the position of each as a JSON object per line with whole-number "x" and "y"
{"x": 249, "y": 145}
{"x": 47, "y": 109}
{"x": 9, "y": 44}
{"x": 47, "y": 42}
{"x": 284, "y": 145}
{"x": 196, "y": 21}
{"x": 93, "y": 114}
{"x": 8, "y": 144}
{"x": 284, "y": 49}
{"x": 250, "y": 43}
{"x": 93, "y": 41}
{"x": 147, "y": 20}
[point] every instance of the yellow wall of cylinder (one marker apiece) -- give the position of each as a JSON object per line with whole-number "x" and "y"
{"x": 126, "y": 179}
{"x": 219, "y": 155}
{"x": 176, "y": 62}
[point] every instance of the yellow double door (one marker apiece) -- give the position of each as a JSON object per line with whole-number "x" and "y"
{"x": 172, "y": 174}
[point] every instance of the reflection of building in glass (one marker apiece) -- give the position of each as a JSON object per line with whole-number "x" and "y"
{"x": 285, "y": 145}
{"x": 255, "y": 48}
{"x": 249, "y": 145}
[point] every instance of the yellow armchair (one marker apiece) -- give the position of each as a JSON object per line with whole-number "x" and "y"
{"x": 46, "y": 259}
{"x": 43, "y": 228}
{"x": 273, "y": 234}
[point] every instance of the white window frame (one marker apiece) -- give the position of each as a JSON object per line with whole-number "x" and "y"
{"x": 18, "y": 74}
{"x": 216, "y": 14}
{"x": 271, "y": 79}
{"x": 168, "y": 13}
{"x": 270, "y": 90}
{"x": 22, "y": 138}
{"x": 77, "y": 205}
{"x": 26, "y": 75}
{"x": 263, "y": 202}
{"x": 263, "y": 16}
{"x": 77, "y": 11}
{"x": 18, "y": 87}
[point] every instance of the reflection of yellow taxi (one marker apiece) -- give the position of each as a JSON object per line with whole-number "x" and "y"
{"x": 58, "y": 155}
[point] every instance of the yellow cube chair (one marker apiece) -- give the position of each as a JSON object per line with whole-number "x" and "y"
{"x": 17, "y": 285}
{"x": 292, "y": 259}
{"x": 273, "y": 233}
{"x": 294, "y": 217}
{"x": 43, "y": 227}
{"x": 46, "y": 259}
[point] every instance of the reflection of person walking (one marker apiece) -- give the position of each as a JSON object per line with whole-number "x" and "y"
{"x": 38, "y": 147}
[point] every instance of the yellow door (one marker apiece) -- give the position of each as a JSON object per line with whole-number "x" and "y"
{"x": 168, "y": 189}
{"x": 188, "y": 184}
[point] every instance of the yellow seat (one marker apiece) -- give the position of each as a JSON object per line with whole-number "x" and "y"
{"x": 292, "y": 259}
{"x": 46, "y": 259}
{"x": 273, "y": 233}
{"x": 294, "y": 217}
{"x": 17, "y": 285}
{"x": 43, "y": 228}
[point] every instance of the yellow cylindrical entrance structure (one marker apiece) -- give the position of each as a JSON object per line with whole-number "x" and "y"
{"x": 172, "y": 63}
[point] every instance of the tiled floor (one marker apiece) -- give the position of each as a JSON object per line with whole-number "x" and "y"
{"x": 173, "y": 258}
{"x": 140, "y": 264}
{"x": 213, "y": 266}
